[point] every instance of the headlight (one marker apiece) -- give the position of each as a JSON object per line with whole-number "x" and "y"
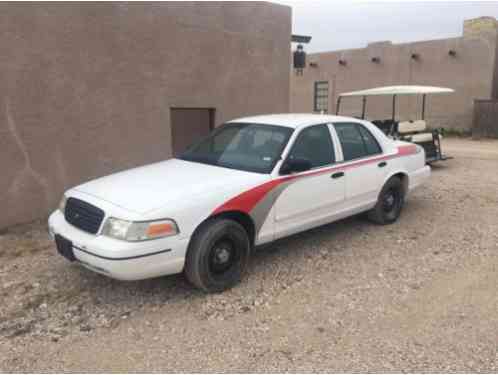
{"x": 139, "y": 230}
{"x": 62, "y": 204}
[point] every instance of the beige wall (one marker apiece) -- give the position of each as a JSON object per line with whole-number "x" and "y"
{"x": 470, "y": 73}
{"x": 86, "y": 89}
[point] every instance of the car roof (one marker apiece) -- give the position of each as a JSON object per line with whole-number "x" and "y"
{"x": 293, "y": 120}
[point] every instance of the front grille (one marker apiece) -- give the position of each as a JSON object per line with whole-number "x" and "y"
{"x": 83, "y": 215}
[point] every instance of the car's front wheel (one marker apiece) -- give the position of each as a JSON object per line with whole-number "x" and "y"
{"x": 389, "y": 203}
{"x": 217, "y": 255}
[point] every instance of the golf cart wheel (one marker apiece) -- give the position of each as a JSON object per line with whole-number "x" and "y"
{"x": 389, "y": 203}
{"x": 217, "y": 255}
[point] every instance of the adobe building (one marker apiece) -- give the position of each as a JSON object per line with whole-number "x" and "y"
{"x": 468, "y": 64}
{"x": 88, "y": 89}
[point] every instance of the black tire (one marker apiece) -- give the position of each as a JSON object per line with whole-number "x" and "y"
{"x": 389, "y": 203}
{"x": 217, "y": 255}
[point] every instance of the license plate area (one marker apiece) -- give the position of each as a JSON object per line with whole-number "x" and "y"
{"x": 64, "y": 247}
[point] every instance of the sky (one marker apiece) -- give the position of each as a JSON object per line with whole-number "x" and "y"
{"x": 343, "y": 24}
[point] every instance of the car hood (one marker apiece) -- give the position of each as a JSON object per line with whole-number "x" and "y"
{"x": 150, "y": 187}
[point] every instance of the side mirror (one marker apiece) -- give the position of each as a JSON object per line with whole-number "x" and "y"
{"x": 295, "y": 165}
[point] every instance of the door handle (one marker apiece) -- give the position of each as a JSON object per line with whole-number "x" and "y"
{"x": 337, "y": 175}
{"x": 382, "y": 164}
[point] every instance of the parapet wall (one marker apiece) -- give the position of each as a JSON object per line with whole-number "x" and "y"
{"x": 466, "y": 64}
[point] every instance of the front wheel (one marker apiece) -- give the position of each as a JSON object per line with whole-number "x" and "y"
{"x": 217, "y": 255}
{"x": 389, "y": 204}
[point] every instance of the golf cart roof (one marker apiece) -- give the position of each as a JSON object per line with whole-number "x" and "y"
{"x": 399, "y": 90}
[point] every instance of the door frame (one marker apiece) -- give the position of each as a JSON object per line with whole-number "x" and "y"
{"x": 211, "y": 115}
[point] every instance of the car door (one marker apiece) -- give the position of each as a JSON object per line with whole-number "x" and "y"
{"x": 365, "y": 167}
{"x": 309, "y": 198}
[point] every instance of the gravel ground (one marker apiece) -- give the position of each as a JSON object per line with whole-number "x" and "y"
{"x": 419, "y": 295}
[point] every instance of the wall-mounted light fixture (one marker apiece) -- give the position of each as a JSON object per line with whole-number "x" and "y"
{"x": 299, "y": 56}
{"x": 415, "y": 56}
{"x": 375, "y": 59}
{"x": 452, "y": 53}
{"x": 342, "y": 62}
{"x": 313, "y": 65}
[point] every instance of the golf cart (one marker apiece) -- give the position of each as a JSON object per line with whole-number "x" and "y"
{"x": 413, "y": 130}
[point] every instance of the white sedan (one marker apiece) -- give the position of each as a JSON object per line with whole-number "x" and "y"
{"x": 252, "y": 181}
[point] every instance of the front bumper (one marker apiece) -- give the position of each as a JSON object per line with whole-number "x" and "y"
{"x": 121, "y": 259}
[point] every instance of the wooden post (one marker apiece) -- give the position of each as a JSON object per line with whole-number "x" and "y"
{"x": 485, "y": 120}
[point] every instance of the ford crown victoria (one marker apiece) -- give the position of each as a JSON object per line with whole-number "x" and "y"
{"x": 251, "y": 181}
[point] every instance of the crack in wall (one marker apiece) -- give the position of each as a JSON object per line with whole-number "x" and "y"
{"x": 27, "y": 170}
{"x": 60, "y": 167}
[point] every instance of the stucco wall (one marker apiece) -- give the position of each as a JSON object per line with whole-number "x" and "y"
{"x": 470, "y": 73}
{"x": 86, "y": 88}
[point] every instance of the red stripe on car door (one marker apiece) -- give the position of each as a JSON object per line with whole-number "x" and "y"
{"x": 246, "y": 201}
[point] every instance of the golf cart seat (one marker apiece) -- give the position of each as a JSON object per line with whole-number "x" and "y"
{"x": 414, "y": 131}
{"x": 424, "y": 137}
{"x": 416, "y": 126}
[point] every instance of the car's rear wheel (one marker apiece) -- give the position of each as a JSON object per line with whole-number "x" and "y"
{"x": 389, "y": 203}
{"x": 217, "y": 255}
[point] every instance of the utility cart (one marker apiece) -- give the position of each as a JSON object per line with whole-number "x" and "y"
{"x": 413, "y": 130}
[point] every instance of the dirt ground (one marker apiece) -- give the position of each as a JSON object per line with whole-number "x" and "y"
{"x": 419, "y": 295}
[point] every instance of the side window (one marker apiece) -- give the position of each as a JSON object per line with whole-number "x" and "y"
{"x": 352, "y": 143}
{"x": 315, "y": 144}
{"x": 371, "y": 143}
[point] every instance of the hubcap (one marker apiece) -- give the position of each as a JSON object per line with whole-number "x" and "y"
{"x": 389, "y": 201}
{"x": 222, "y": 256}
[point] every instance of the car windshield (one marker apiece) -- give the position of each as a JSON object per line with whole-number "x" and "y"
{"x": 244, "y": 146}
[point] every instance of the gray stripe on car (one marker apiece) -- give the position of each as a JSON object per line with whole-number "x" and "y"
{"x": 260, "y": 211}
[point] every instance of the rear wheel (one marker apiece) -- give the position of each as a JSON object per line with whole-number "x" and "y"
{"x": 389, "y": 203}
{"x": 217, "y": 255}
